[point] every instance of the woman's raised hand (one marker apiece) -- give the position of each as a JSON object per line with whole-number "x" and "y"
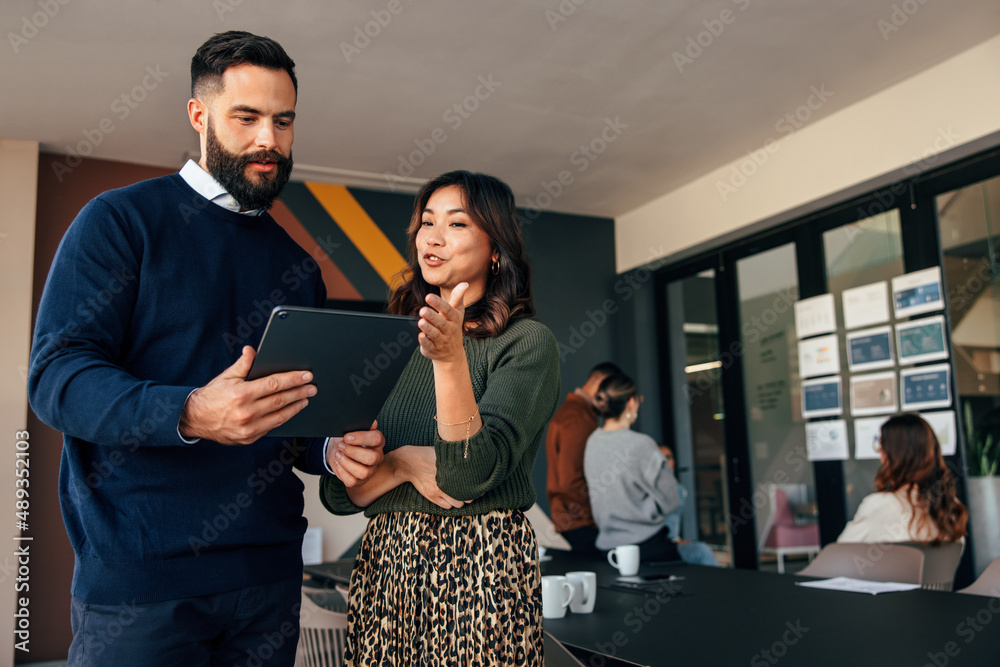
{"x": 441, "y": 323}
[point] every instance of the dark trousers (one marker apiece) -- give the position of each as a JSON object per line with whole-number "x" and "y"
{"x": 659, "y": 549}
{"x": 249, "y": 627}
{"x": 581, "y": 540}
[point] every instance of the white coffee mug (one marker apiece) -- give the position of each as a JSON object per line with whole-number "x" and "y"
{"x": 557, "y": 593}
{"x": 625, "y": 558}
{"x": 584, "y": 591}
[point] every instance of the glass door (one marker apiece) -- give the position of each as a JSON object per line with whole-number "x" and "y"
{"x": 695, "y": 371}
{"x": 970, "y": 243}
{"x": 782, "y": 493}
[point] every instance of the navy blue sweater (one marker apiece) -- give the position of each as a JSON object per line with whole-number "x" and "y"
{"x": 153, "y": 292}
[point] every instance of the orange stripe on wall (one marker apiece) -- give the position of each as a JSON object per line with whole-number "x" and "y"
{"x": 369, "y": 239}
{"x": 337, "y": 284}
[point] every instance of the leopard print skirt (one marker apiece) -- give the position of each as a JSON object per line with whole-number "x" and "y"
{"x": 432, "y": 590}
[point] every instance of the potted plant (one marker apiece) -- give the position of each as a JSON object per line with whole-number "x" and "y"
{"x": 982, "y": 444}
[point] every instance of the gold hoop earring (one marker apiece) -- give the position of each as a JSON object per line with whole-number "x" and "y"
{"x": 496, "y": 267}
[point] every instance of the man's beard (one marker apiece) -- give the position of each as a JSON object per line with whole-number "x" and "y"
{"x": 229, "y": 169}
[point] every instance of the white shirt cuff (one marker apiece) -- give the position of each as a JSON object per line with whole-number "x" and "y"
{"x": 326, "y": 461}
{"x": 183, "y": 439}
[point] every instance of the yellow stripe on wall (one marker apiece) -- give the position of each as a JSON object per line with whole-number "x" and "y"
{"x": 360, "y": 229}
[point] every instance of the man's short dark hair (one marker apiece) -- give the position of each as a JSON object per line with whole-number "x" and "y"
{"x": 232, "y": 48}
{"x": 605, "y": 368}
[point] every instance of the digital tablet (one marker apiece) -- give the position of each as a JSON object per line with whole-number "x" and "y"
{"x": 355, "y": 358}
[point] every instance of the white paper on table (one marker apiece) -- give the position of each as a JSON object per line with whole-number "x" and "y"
{"x": 868, "y": 304}
{"x": 917, "y": 292}
{"x": 815, "y": 315}
{"x": 858, "y": 585}
{"x": 866, "y": 434}
{"x": 943, "y": 425}
{"x": 819, "y": 356}
{"x": 827, "y": 440}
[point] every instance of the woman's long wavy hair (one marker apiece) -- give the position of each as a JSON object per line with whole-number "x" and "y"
{"x": 507, "y": 297}
{"x": 913, "y": 461}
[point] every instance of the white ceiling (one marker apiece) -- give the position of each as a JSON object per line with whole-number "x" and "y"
{"x": 562, "y": 74}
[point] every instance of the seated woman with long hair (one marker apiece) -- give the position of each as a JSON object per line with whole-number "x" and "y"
{"x": 915, "y": 499}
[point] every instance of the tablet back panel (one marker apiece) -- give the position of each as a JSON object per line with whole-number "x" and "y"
{"x": 356, "y": 359}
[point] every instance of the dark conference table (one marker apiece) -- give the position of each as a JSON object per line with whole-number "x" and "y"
{"x": 718, "y": 616}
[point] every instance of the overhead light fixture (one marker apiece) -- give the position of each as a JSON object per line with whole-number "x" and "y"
{"x": 707, "y": 366}
{"x": 351, "y": 177}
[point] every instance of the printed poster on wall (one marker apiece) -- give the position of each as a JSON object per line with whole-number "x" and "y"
{"x": 866, "y": 435}
{"x": 917, "y": 292}
{"x": 815, "y": 315}
{"x": 822, "y": 397}
{"x": 827, "y": 441}
{"x": 873, "y": 394}
{"x": 869, "y": 349}
{"x": 866, "y": 305}
{"x": 921, "y": 340}
{"x": 819, "y": 356}
{"x": 943, "y": 424}
{"x": 925, "y": 387}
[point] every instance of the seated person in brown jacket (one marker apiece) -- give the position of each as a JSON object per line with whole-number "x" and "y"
{"x": 572, "y": 424}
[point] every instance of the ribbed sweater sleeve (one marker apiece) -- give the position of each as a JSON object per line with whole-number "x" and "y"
{"x": 515, "y": 378}
{"x": 517, "y": 403}
{"x": 75, "y": 384}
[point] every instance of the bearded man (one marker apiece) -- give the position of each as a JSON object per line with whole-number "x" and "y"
{"x": 185, "y": 519}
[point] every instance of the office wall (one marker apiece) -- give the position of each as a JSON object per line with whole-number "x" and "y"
{"x": 18, "y": 170}
{"x": 357, "y": 238}
{"x": 937, "y": 115}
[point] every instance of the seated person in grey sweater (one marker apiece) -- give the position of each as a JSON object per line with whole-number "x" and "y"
{"x": 632, "y": 489}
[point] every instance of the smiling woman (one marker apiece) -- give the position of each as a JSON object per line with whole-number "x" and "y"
{"x": 462, "y": 428}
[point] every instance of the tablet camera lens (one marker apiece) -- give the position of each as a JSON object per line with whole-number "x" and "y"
{"x": 283, "y": 314}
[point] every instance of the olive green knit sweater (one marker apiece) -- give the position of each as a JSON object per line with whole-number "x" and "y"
{"x": 515, "y": 377}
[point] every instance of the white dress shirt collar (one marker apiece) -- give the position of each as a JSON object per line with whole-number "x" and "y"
{"x": 205, "y": 184}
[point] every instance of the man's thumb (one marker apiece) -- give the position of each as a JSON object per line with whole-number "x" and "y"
{"x": 242, "y": 366}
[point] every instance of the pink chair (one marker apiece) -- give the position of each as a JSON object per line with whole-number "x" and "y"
{"x": 784, "y": 537}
